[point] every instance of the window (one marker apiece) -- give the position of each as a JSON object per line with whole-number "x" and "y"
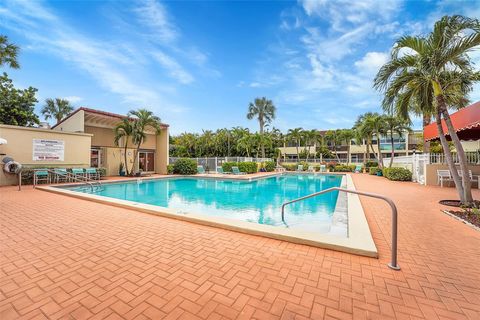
{"x": 95, "y": 158}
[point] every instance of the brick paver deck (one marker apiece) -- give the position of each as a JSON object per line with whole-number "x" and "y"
{"x": 69, "y": 258}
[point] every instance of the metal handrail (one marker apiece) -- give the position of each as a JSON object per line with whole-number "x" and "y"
{"x": 393, "y": 263}
{"x": 70, "y": 175}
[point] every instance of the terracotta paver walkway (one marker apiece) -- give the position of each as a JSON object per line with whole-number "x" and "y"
{"x": 69, "y": 258}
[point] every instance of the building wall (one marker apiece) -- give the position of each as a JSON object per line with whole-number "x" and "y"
{"x": 104, "y": 137}
{"x": 162, "y": 153}
{"x": 75, "y": 123}
{"x": 431, "y": 173}
{"x": 20, "y": 148}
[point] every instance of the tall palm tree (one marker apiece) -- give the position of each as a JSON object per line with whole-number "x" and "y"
{"x": 376, "y": 124}
{"x": 296, "y": 135}
{"x": 436, "y": 74}
{"x": 309, "y": 137}
{"x": 346, "y": 136}
{"x": 334, "y": 137}
{"x": 264, "y": 110}
{"x": 8, "y": 53}
{"x": 366, "y": 132}
{"x": 398, "y": 126}
{"x": 56, "y": 109}
{"x": 143, "y": 120}
{"x": 124, "y": 131}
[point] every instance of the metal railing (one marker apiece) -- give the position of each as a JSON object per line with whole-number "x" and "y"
{"x": 94, "y": 185}
{"x": 393, "y": 263}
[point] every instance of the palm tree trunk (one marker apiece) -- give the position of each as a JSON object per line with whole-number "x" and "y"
{"x": 261, "y": 142}
{"x": 426, "y": 122}
{"x": 393, "y": 150}
{"x": 298, "y": 153}
{"x": 380, "y": 158}
{"x": 462, "y": 159}
{"x": 449, "y": 157}
{"x": 125, "y": 157}
{"x": 135, "y": 160}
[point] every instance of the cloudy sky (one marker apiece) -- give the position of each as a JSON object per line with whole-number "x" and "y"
{"x": 198, "y": 64}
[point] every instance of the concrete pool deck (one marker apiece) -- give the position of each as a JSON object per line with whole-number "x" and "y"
{"x": 358, "y": 239}
{"x": 63, "y": 257}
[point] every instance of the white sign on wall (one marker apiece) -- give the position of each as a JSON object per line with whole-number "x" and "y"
{"x": 48, "y": 150}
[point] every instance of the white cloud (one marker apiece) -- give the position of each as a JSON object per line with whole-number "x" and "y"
{"x": 371, "y": 62}
{"x": 154, "y": 15}
{"x": 173, "y": 67}
{"x": 73, "y": 99}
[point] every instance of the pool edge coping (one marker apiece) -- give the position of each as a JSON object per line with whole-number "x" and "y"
{"x": 359, "y": 240}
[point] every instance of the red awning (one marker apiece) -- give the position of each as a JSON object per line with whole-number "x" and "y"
{"x": 466, "y": 122}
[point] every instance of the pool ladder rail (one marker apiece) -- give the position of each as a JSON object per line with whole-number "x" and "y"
{"x": 94, "y": 185}
{"x": 393, "y": 263}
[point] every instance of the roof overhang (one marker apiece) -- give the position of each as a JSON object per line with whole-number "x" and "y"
{"x": 466, "y": 122}
{"x": 100, "y": 118}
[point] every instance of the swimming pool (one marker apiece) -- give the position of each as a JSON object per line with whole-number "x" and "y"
{"x": 258, "y": 201}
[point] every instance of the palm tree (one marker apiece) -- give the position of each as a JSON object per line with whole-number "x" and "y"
{"x": 296, "y": 135}
{"x": 376, "y": 124}
{"x": 366, "y": 132}
{"x": 309, "y": 137}
{"x": 264, "y": 110}
{"x": 398, "y": 126}
{"x": 8, "y": 53}
{"x": 334, "y": 137}
{"x": 123, "y": 131}
{"x": 346, "y": 136}
{"x": 56, "y": 109}
{"x": 144, "y": 120}
{"x": 435, "y": 74}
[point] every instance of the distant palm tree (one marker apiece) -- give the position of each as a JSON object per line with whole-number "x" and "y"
{"x": 376, "y": 124}
{"x": 144, "y": 120}
{"x": 56, "y": 109}
{"x": 395, "y": 125}
{"x": 124, "y": 131}
{"x": 347, "y": 135}
{"x": 8, "y": 53}
{"x": 365, "y": 132}
{"x": 296, "y": 136}
{"x": 264, "y": 110}
{"x": 436, "y": 73}
{"x": 334, "y": 137}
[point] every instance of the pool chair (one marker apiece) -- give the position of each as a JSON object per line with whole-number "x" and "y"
{"x": 443, "y": 175}
{"x": 323, "y": 168}
{"x": 78, "y": 173}
{"x": 92, "y": 173}
{"x": 311, "y": 169}
{"x": 358, "y": 168}
{"x": 40, "y": 175}
{"x": 236, "y": 171}
{"x": 200, "y": 170}
{"x": 220, "y": 171}
{"x": 61, "y": 175}
{"x": 300, "y": 168}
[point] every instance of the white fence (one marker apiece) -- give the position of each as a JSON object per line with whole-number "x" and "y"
{"x": 212, "y": 163}
{"x": 416, "y": 163}
{"x": 314, "y": 160}
{"x": 472, "y": 157}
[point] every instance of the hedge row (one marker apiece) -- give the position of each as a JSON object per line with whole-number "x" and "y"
{"x": 247, "y": 167}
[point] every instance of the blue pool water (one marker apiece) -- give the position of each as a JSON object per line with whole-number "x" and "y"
{"x": 257, "y": 201}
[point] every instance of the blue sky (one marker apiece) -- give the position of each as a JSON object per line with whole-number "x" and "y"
{"x": 198, "y": 64}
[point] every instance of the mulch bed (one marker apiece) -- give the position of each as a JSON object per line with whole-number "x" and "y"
{"x": 467, "y": 215}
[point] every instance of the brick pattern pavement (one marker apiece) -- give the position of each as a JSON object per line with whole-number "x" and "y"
{"x": 67, "y": 258}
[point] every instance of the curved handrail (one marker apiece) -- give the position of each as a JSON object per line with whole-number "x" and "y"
{"x": 393, "y": 264}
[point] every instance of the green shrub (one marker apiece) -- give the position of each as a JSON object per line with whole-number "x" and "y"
{"x": 304, "y": 164}
{"x": 269, "y": 166}
{"x": 289, "y": 167}
{"x": 370, "y": 164}
{"x": 227, "y": 166}
{"x": 185, "y": 166}
{"x": 344, "y": 168}
{"x": 397, "y": 174}
{"x": 374, "y": 170}
{"x": 170, "y": 168}
{"x": 248, "y": 167}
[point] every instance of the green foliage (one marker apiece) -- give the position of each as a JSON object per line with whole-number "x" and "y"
{"x": 227, "y": 166}
{"x": 304, "y": 164}
{"x": 290, "y": 166}
{"x": 8, "y": 53}
{"x": 56, "y": 109}
{"x": 17, "y": 105}
{"x": 248, "y": 167}
{"x": 185, "y": 166}
{"x": 397, "y": 174}
{"x": 344, "y": 168}
{"x": 170, "y": 168}
{"x": 370, "y": 164}
{"x": 269, "y": 166}
{"x": 330, "y": 165}
{"x": 374, "y": 171}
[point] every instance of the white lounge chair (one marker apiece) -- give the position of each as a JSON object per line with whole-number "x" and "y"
{"x": 311, "y": 169}
{"x": 300, "y": 168}
{"x": 443, "y": 175}
{"x": 470, "y": 174}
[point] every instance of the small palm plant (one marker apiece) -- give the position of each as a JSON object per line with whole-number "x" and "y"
{"x": 124, "y": 131}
